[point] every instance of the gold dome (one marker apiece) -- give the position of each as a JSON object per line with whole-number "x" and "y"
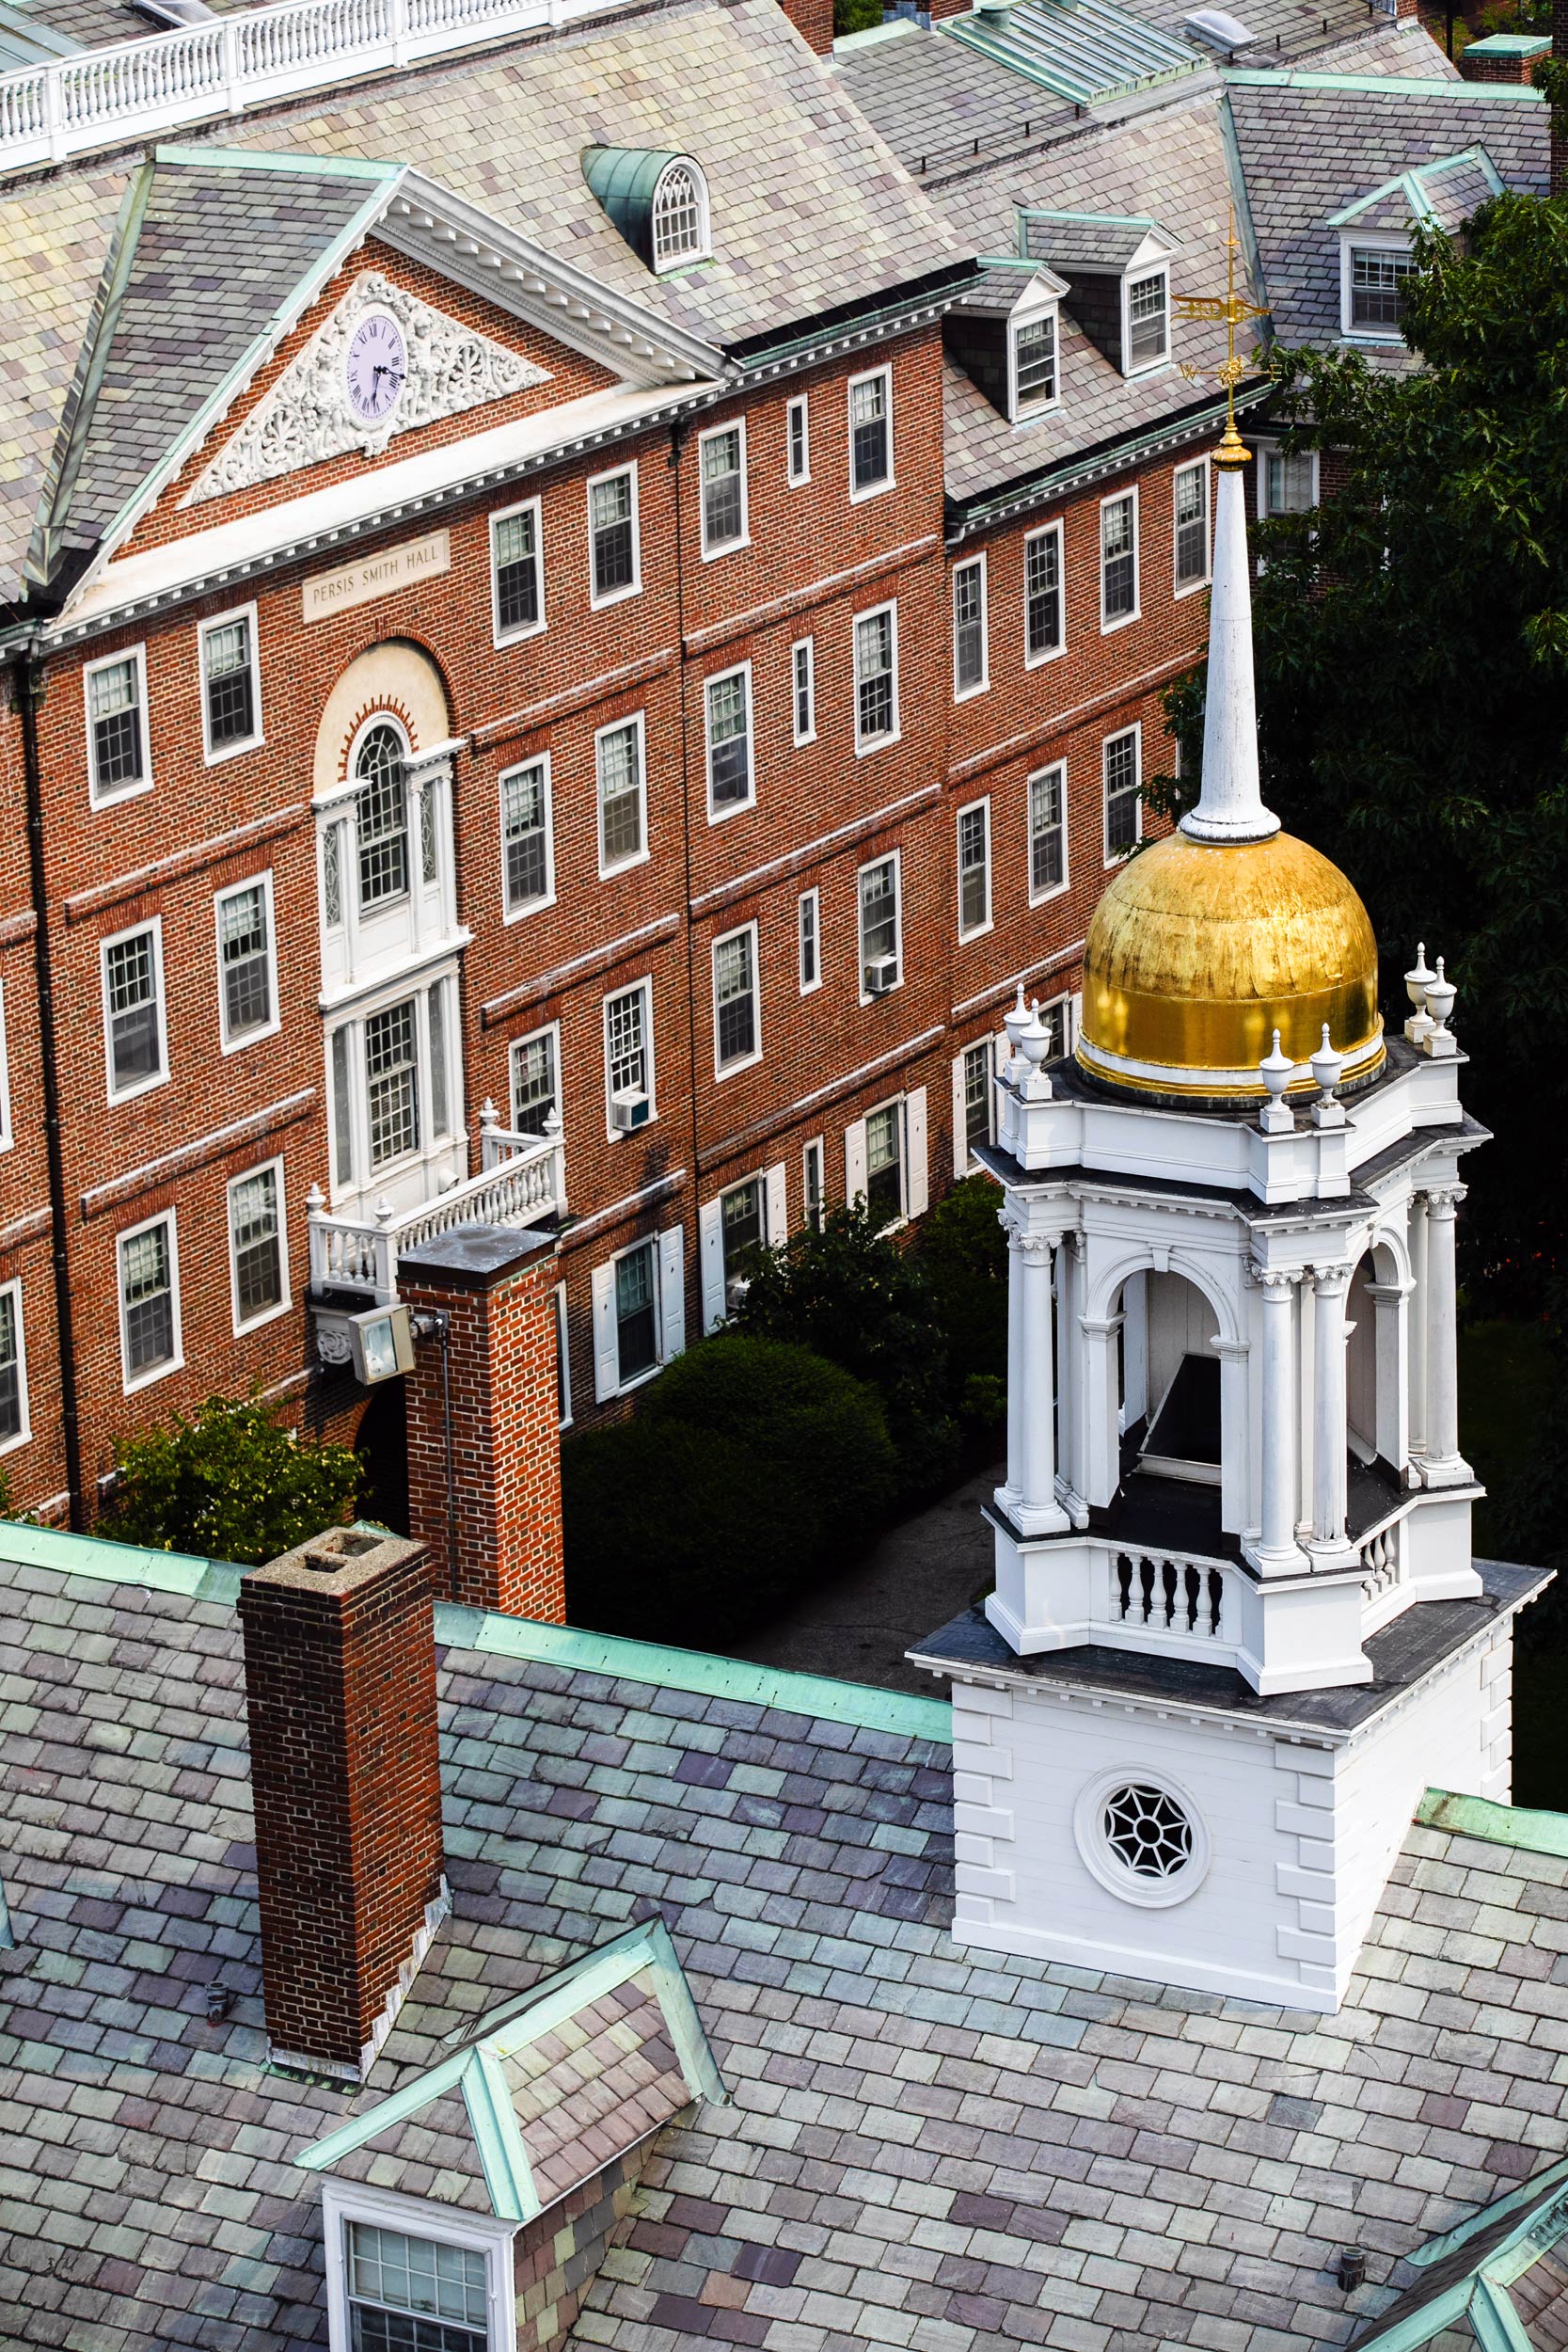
{"x": 1198, "y": 951}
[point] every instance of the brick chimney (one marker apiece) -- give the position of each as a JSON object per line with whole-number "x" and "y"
{"x": 339, "y": 1663}
{"x": 485, "y": 1418}
{"x": 1503, "y": 58}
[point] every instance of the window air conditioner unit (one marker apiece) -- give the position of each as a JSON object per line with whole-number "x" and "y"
{"x": 881, "y": 974}
{"x": 628, "y": 1110}
{"x": 734, "y": 1291}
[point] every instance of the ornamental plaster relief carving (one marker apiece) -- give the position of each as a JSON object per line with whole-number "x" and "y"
{"x": 307, "y": 415}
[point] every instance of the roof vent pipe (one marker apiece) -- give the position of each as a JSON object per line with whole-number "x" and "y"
{"x": 995, "y": 15}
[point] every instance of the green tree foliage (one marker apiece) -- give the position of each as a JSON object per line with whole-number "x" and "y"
{"x": 855, "y": 16}
{"x": 233, "y": 1483}
{"x": 748, "y": 1470}
{"x": 961, "y": 1255}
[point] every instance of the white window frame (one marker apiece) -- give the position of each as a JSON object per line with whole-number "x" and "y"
{"x": 611, "y": 995}
{"x": 814, "y": 899}
{"x": 819, "y": 1145}
{"x": 1263, "y": 452}
{"x": 799, "y": 407}
{"x": 142, "y": 1086}
{"x": 541, "y": 759}
{"x": 995, "y": 1050}
{"x": 268, "y": 1315}
{"x": 895, "y": 858}
{"x": 889, "y": 481}
{"x": 1116, "y": 857}
{"x": 742, "y": 1061}
{"x": 1368, "y": 241}
{"x": 977, "y": 930}
{"x": 12, "y": 1289}
{"x": 1144, "y": 367}
{"x": 665, "y": 264}
{"x": 1054, "y": 890}
{"x": 638, "y": 857}
{"x": 530, "y": 629}
{"x": 725, "y": 547}
{"x": 530, "y": 1037}
{"x": 1188, "y": 588}
{"x": 343, "y": 2202}
{"x": 716, "y": 814}
{"x": 130, "y": 1384}
{"x": 415, "y": 988}
{"x": 116, "y": 793}
{"x": 1030, "y": 314}
{"x": 8, "y": 1131}
{"x": 562, "y": 1356}
{"x": 668, "y": 1249}
{"x": 634, "y": 586}
{"x": 213, "y": 759}
{"x": 1052, "y": 652}
{"x": 806, "y": 645}
{"x": 1110, "y": 623}
{"x": 865, "y": 745}
{"x": 251, "y": 1037}
{"x": 982, "y": 684}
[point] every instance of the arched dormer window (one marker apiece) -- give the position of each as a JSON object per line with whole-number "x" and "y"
{"x": 680, "y": 219}
{"x": 381, "y": 813}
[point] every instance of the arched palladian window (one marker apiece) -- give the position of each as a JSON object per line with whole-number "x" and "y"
{"x": 680, "y": 221}
{"x": 381, "y": 814}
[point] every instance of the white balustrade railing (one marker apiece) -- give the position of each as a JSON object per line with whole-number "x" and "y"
{"x": 1381, "y": 1551}
{"x": 522, "y": 1181}
{"x": 104, "y": 97}
{"x": 1168, "y": 1596}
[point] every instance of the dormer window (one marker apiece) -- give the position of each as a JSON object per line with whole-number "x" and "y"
{"x": 1376, "y": 288}
{"x": 680, "y": 219}
{"x": 1147, "y": 334}
{"x": 1034, "y": 365}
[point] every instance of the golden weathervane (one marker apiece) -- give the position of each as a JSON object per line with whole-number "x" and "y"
{"x": 1233, "y": 310}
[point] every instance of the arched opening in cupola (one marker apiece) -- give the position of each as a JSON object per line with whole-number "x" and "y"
{"x": 1374, "y": 1382}
{"x": 1171, "y": 1411}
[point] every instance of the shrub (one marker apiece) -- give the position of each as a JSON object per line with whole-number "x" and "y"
{"x": 962, "y": 1252}
{"x": 235, "y": 1483}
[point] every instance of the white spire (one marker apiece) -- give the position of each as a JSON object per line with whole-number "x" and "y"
{"x": 1231, "y": 805}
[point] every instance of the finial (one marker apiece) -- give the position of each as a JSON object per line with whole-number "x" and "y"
{"x": 1440, "y": 995}
{"x": 1232, "y": 308}
{"x": 1277, "y": 1071}
{"x": 1015, "y": 1020}
{"x": 1034, "y": 1043}
{"x": 1326, "y": 1066}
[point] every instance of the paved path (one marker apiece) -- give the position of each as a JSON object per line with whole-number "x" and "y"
{"x": 923, "y": 1572}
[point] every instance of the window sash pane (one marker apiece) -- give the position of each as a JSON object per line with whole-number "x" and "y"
{"x": 247, "y": 961}
{"x": 977, "y": 1094}
{"x": 113, "y": 701}
{"x": 735, "y": 999}
{"x": 525, "y": 836}
{"x": 729, "y": 741}
{"x": 517, "y": 558}
{"x": 1121, "y": 792}
{"x": 812, "y": 1181}
{"x": 381, "y": 820}
{"x": 723, "y": 516}
{"x": 1047, "y": 846}
{"x": 253, "y": 1226}
{"x": 884, "y": 1178}
{"x": 620, "y": 794}
{"x": 874, "y": 711}
{"x": 741, "y": 1228}
{"x": 636, "y": 1313}
{"x": 533, "y": 1083}
{"x": 1042, "y": 589}
{"x": 868, "y": 434}
{"x": 1191, "y": 520}
{"x": 1290, "y": 482}
{"x": 1034, "y": 362}
{"x": 148, "y": 1295}
{"x": 136, "y": 1049}
{"x": 230, "y": 699}
{"x": 629, "y": 1060}
{"x": 1118, "y": 552}
{"x": 410, "y": 2274}
{"x": 969, "y": 627}
{"x": 798, "y": 445}
{"x": 805, "y": 695}
{"x": 615, "y": 545}
{"x": 879, "y": 912}
{"x": 11, "y": 1368}
{"x": 391, "y": 1083}
{"x": 808, "y": 940}
{"x": 1377, "y": 286}
{"x": 1146, "y": 315}
{"x": 973, "y": 869}
{"x": 678, "y": 217}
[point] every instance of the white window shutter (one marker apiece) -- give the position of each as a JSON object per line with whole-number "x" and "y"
{"x": 1075, "y": 1020}
{"x": 711, "y": 1262}
{"x": 671, "y": 1291}
{"x": 961, "y": 1140}
{"x": 1003, "y": 1052}
{"x": 854, "y": 1162}
{"x": 917, "y": 1185}
{"x": 778, "y": 1207}
{"x": 607, "y": 1353}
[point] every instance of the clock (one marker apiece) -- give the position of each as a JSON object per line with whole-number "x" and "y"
{"x": 376, "y": 365}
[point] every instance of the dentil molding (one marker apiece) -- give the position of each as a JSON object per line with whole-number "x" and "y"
{"x": 305, "y": 417}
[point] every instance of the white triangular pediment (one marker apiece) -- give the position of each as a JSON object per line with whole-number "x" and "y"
{"x": 305, "y": 417}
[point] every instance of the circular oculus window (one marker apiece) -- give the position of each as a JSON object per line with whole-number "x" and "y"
{"x": 1142, "y": 1836}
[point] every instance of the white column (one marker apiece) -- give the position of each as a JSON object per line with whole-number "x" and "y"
{"x": 1135, "y": 1349}
{"x": 1391, "y": 1358}
{"x": 1068, "y": 1396}
{"x": 1102, "y": 1416}
{"x": 1038, "y": 1512}
{"x": 1329, "y": 1440}
{"x": 1235, "y": 1507}
{"x": 1445, "y": 1465}
{"x": 1278, "y": 1537}
{"x": 1008, "y": 1495}
{"x": 1415, "y": 1333}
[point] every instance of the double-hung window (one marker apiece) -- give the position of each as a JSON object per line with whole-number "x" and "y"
{"x": 1118, "y": 560}
{"x": 871, "y": 433}
{"x": 1190, "y": 495}
{"x": 118, "y": 756}
{"x": 536, "y": 1085}
{"x": 1376, "y": 288}
{"x": 797, "y": 441}
{"x": 257, "y": 1269}
{"x": 884, "y": 1164}
{"x": 969, "y": 628}
{"x": 813, "y": 1185}
{"x": 802, "y": 684}
{"x": 13, "y": 1369}
{"x": 230, "y": 698}
{"x": 629, "y": 1051}
{"x": 742, "y": 1232}
{"x": 727, "y": 703}
{"x": 1122, "y": 808}
{"x": 1043, "y": 633}
{"x": 1288, "y": 481}
{"x": 882, "y": 952}
{"x": 133, "y": 1010}
{"x": 381, "y": 816}
{"x": 736, "y": 1035}
{"x": 247, "y": 984}
{"x": 973, "y": 869}
{"x": 622, "y": 828}
{"x": 411, "y": 2295}
{"x": 516, "y": 573}
{"x": 877, "y": 677}
{"x": 1034, "y": 357}
{"x": 979, "y": 1065}
{"x": 1046, "y": 833}
{"x": 636, "y": 1312}
{"x": 392, "y": 1082}
{"x": 528, "y": 862}
{"x": 809, "y": 923}
{"x": 149, "y": 1301}
{"x": 1147, "y": 321}
{"x": 723, "y": 476}
{"x": 612, "y": 532}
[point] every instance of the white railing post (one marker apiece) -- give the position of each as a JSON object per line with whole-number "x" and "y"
{"x": 53, "y": 112}
{"x": 400, "y": 32}
{"x": 386, "y": 1250}
{"x": 554, "y": 1130}
{"x": 315, "y": 1203}
{"x": 232, "y": 64}
{"x": 489, "y": 1119}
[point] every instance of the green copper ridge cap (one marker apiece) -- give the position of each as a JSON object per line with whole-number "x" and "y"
{"x": 1530, "y": 1832}
{"x": 1378, "y": 85}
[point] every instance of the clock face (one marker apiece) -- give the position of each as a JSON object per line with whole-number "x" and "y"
{"x": 377, "y": 363}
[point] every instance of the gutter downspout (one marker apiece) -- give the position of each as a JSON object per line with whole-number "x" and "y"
{"x": 29, "y": 677}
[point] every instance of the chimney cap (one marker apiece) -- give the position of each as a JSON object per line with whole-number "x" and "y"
{"x": 337, "y": 1561}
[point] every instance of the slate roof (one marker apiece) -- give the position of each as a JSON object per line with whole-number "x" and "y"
{"x": 936, "y": 101}
{"x": 924, "y": 2149}
{"x": 1291, "y": 30}
{"x": 1308, "y": 146}
{"x": 1405, "y": 50}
